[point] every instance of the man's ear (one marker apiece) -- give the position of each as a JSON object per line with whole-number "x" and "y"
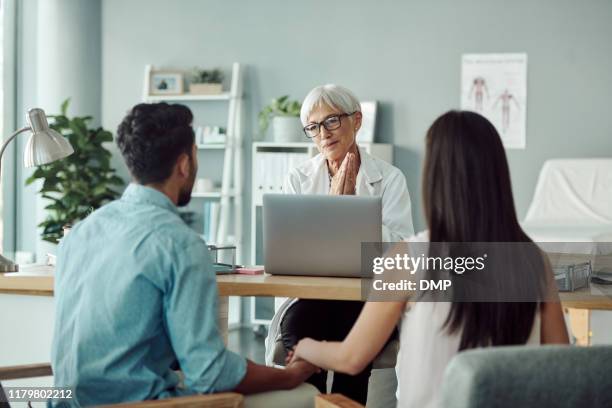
{"x": 357, "y": 121}
{"x": 183, "y": 165}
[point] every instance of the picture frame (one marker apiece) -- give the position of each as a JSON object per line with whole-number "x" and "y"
{"x": 166, "y": 83}
{"x": 367, "y": 131}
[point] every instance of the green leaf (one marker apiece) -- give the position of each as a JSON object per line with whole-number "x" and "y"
{"x": 64, "y": 107}
{"x": 115, "y": 180}
{"x": 103, "y": 136}
{"x": 58, "y": 206}
{"x": 30, "y": 180}
{"x": 100, "y": 189}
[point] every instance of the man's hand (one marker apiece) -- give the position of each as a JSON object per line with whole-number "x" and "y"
{"x": 259, "y": 378}
{"x": 343, "y": 183}
{"x": 301, "y": 370}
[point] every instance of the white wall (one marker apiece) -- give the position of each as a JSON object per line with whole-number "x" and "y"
{"x": 59, "y": 58}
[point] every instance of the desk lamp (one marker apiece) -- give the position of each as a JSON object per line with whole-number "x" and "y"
{"x": 44, "y": 146}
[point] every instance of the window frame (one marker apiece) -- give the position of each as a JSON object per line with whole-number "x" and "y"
{"x": 9, "y": 47}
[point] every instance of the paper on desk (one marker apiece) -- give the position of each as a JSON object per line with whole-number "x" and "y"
{"x": 33, "y": 270}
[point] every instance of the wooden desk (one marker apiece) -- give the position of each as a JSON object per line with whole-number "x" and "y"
{"x": 305, "y": 287}
{"x": 229, "y": 285}
{"x": 597, "y": 297}
{"x": 578, "y": 303}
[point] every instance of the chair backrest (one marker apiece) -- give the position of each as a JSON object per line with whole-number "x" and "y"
{"x": 20, "y": 372}
{"x": 574, "y": 192}
{"x": 3, "y": 400}
{"x": 519, "y": 376}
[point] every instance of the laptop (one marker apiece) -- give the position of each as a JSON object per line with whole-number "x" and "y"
{"x": 318, "y": 235}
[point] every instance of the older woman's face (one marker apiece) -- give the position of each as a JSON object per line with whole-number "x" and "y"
{"x": 335, "y": 144}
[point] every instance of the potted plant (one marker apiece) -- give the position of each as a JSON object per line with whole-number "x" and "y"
{"x": 206, "y": 82}
{"x": 81, "y": 182}
{"x": 285, "y": 117}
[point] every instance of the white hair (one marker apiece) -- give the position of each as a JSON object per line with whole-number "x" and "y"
{"x": 334, "y": 96}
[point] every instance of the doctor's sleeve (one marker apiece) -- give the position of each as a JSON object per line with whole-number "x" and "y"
{"x": 396, "y": 209}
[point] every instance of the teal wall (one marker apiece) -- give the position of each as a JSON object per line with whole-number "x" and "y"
{"x": 406, "y": 54}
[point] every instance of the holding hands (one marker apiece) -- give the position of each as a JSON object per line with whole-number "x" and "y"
{"x": 297, "y": 354}
{"x": 300, "y": 369}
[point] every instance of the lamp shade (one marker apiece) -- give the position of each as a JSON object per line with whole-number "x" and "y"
{"x": 45, "y": 145}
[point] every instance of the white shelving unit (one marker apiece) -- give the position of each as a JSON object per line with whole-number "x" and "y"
{"x": 231, "y": 193}
{"x": 211, "y": 146}
{"x": 271, "y": 164}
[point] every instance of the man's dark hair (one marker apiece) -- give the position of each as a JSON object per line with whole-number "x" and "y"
{"x": 151, "y": 137}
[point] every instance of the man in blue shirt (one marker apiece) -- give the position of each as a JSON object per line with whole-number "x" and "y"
{"x": 135, "y": 289}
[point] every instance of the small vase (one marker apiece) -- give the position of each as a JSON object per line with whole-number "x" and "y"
{"x": 287, "y": 129}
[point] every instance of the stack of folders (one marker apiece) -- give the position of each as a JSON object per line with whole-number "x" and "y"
{"x": 211, "y": 221}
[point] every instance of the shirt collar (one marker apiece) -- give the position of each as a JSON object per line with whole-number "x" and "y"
{"x": 137, "y": 193}
{"x": 370, "y": 169}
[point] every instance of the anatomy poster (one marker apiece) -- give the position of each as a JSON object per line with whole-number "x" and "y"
{"x": 495, "y": 85}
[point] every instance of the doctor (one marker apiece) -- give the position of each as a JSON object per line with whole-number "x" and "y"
{"x": 331, "y": 116}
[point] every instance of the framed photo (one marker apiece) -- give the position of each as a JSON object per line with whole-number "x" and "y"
{"x": 368, "y": 122}
{"x": 166, "y": 83}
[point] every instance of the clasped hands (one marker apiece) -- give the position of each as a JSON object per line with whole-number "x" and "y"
{"x": 343, "y": 182}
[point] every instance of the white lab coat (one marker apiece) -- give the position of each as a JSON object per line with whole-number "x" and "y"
{"x": 375, "y": 178}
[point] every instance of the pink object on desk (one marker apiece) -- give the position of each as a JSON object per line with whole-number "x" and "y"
{"x": 251, "y": 270}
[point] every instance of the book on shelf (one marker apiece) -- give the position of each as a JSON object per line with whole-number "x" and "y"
{"x": 211, "y": 221}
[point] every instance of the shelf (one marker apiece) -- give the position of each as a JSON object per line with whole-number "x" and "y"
{"x": 210, "y": 194}
{"x": 211, "y": 146}
{"x": 188, "y": 97}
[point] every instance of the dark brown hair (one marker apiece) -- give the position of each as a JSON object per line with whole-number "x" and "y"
{"x": 467, "y": 197}
{"x": 151, "y": 138}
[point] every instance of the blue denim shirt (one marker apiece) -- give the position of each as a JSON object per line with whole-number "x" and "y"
{"x": 135, "y": 292}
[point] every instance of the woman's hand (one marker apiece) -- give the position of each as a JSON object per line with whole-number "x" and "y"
{"x": 300, "y": 349}
{"x": 343, "y": 183}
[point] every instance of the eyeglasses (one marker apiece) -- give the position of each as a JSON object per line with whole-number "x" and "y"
{"x": 332, "y": 122}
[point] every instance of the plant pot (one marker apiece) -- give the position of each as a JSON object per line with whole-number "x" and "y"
{"x": 286, "y": 129}
{"x": 205, "y": 89}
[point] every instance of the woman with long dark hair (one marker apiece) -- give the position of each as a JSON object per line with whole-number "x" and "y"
{"x": 467, "y": 198}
